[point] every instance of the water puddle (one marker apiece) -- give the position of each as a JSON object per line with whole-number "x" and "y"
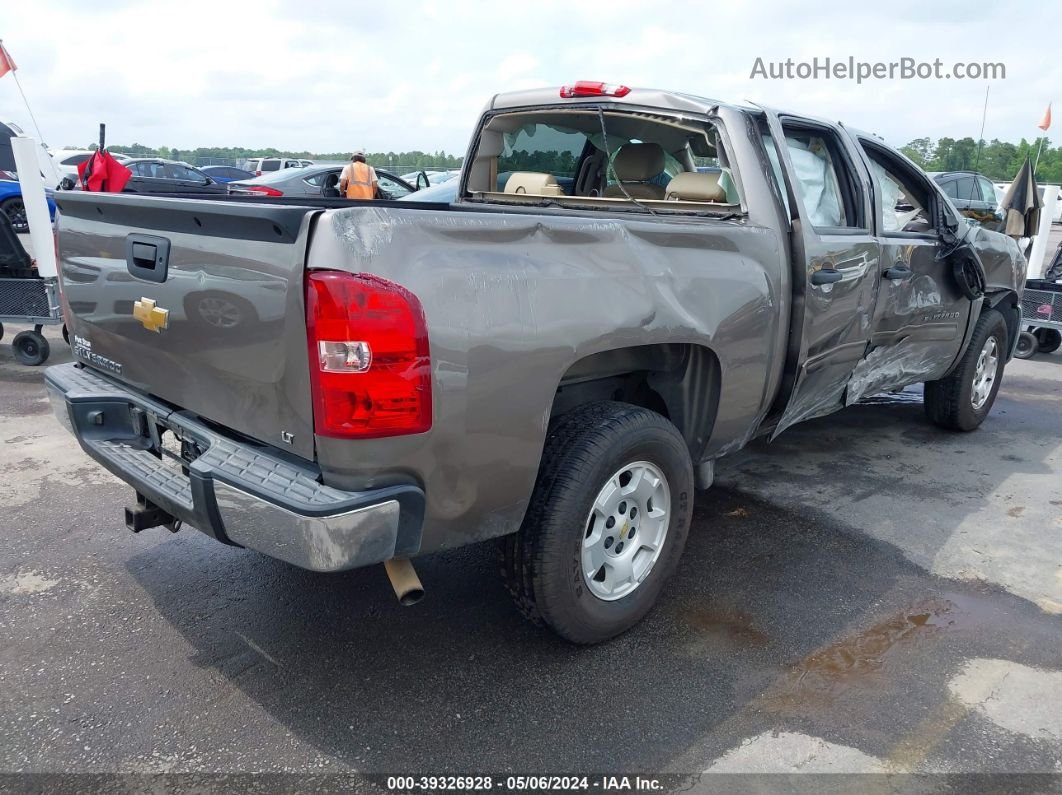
{"x": 720, "y": 627}
{"x": 860, "y": 661}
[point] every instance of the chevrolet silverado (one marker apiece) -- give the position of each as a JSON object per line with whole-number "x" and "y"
{"x": 629, "y": 284}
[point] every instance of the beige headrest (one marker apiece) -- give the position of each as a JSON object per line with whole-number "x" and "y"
{"x": 693, "y": 186}
{"x": 638, "y": 162}
{"x": 533, "y": 183}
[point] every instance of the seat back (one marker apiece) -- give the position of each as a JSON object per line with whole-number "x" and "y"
{"x": 633, "y": 166}
{"x": 692, "y": 186}
{"x": 533, "y": 183}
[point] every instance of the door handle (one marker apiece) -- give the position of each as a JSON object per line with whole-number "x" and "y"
{"x": 826, "y": 276}
{"x": 147, "y": 257}
{"x": 898, "y": 272}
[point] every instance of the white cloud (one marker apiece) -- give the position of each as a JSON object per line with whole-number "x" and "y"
{"x": 327, "y": 75}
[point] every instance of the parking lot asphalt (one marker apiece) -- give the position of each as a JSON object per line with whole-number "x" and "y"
{"x": 867, "y": 593}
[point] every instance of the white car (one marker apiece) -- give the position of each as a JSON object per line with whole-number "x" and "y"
{"x": 263, "y": 165}
{"x": 67, "y": 160}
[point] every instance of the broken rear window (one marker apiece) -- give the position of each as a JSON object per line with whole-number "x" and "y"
{"x": 591, "y": 158}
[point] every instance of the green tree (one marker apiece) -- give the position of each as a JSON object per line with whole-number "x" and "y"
{"x": 919, "y": 150}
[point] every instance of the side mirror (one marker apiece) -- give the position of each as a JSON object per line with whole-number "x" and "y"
{"x": 67, "y": 183}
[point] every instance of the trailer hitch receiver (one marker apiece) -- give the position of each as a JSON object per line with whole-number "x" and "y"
{"x": 146, "y": 514}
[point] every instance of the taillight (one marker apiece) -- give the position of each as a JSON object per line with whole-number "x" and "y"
{"x": 263, "y": 190}
{"x": 588, "y": 88}
{"x": 370, "y": 367}
{"x": 258, "y": 173}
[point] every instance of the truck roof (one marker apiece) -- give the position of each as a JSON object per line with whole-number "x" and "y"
{"x": 676, "y": 101}
{"x": 643, "y": 97}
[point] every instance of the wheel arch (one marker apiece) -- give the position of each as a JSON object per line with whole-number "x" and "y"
{"x": 1007, "y": 303}
{"x": 680, "y": 381}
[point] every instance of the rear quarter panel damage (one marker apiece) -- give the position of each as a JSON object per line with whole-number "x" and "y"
{"x": 512, "y": 300}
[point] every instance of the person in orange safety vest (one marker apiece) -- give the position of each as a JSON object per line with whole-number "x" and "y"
{"x": 358, "y": 180}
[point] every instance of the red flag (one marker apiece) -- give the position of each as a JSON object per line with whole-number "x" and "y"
{"x": 1045, "y": 122}
{"x": 7, "y": 63}
{"x": 101, "y": 172}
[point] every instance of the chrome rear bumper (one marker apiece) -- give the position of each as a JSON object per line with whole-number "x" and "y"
{"x": 236, "y": 491}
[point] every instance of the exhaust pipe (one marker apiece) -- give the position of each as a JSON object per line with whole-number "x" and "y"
{"x": 404, "y": 580}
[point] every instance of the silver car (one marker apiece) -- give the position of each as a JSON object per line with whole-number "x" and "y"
{"x": 314, "y": 181}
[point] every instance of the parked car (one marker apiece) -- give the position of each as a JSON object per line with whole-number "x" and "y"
{"x": 973, "y": 194}
{"x": 12, "y": 205}
{"x": 430, "y": 177}
{"x": 225, "y": 174}
{"x": 1054, "y": 212}
{"x": 263, "y": 165}
{"x": 444, "y": 192}
{"x": 556, "y": 364}
{"x": 315, "y": 181}
{"x": 155, "y": 175}
{"x": 67, "y": 160}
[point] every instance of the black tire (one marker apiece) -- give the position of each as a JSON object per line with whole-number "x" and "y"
{"x": 542, "y": 563}
{"x": 1027, "y": 345}
{"x": 15, "y": 210}
{"x": 31, "y": 348}
{"x": 949, "y": 401}
{"x": 1049, "y": 339}
{"x": 66, "y": 334}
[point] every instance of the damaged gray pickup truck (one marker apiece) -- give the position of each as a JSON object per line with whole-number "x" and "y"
{"x": 630, "y": 284}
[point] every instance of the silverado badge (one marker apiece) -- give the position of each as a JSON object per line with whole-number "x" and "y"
{"x": 151, "y": 317}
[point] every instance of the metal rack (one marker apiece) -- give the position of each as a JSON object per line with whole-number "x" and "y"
{"x": 34, "y": 302}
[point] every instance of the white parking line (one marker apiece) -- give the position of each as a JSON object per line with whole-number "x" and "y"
{"x": 793, "y": 752}
{"x": 1013, "y": 696}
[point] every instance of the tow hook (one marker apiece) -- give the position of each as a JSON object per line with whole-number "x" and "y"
{"x": 146, "y": 514}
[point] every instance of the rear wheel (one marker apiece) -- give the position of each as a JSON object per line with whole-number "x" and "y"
{"x": 1027, "y": 345}
{"x": 607, "y": 522}
{"x": 963, "y": 399}
{"x": 31, "y": 347}
{"x": 1049, "y": 339}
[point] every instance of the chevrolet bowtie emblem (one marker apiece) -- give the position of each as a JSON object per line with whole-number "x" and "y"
{"x": 151, "y": 317}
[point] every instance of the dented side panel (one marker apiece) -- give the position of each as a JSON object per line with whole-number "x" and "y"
{"x": 512, "y": 301}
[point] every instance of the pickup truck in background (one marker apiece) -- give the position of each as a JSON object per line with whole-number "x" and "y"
{"x": 630, "y": 284}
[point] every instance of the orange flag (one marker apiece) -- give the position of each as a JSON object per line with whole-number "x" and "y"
{"x": 7, "y": 63}
{"x": 1045, "y": 122}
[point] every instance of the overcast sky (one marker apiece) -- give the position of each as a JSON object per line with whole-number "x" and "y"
{"x": 329, "y": 75}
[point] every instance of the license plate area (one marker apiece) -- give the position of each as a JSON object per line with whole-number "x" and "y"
{"x": 167, "y": 441}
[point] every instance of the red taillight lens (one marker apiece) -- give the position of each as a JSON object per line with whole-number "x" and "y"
{"x": 588, "y": 88}
{"x": 258, "y": 173}
{"x": 264, "y": 190}
{"x": 370, "y": 367}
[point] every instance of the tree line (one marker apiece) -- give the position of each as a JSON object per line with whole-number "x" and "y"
{"x": 234, "y": 155}
{"x": 997, "y": 160}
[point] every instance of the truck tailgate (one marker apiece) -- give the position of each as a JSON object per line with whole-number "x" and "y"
{"x": 197, "y": 303}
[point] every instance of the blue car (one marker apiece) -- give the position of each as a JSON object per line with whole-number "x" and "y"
{"x": 11, "y": 202}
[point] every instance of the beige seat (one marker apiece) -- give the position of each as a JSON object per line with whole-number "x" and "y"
{"x": 533, "y": 183}
{"x": 633, "y": 166}
{"x": 693, "y": 186}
